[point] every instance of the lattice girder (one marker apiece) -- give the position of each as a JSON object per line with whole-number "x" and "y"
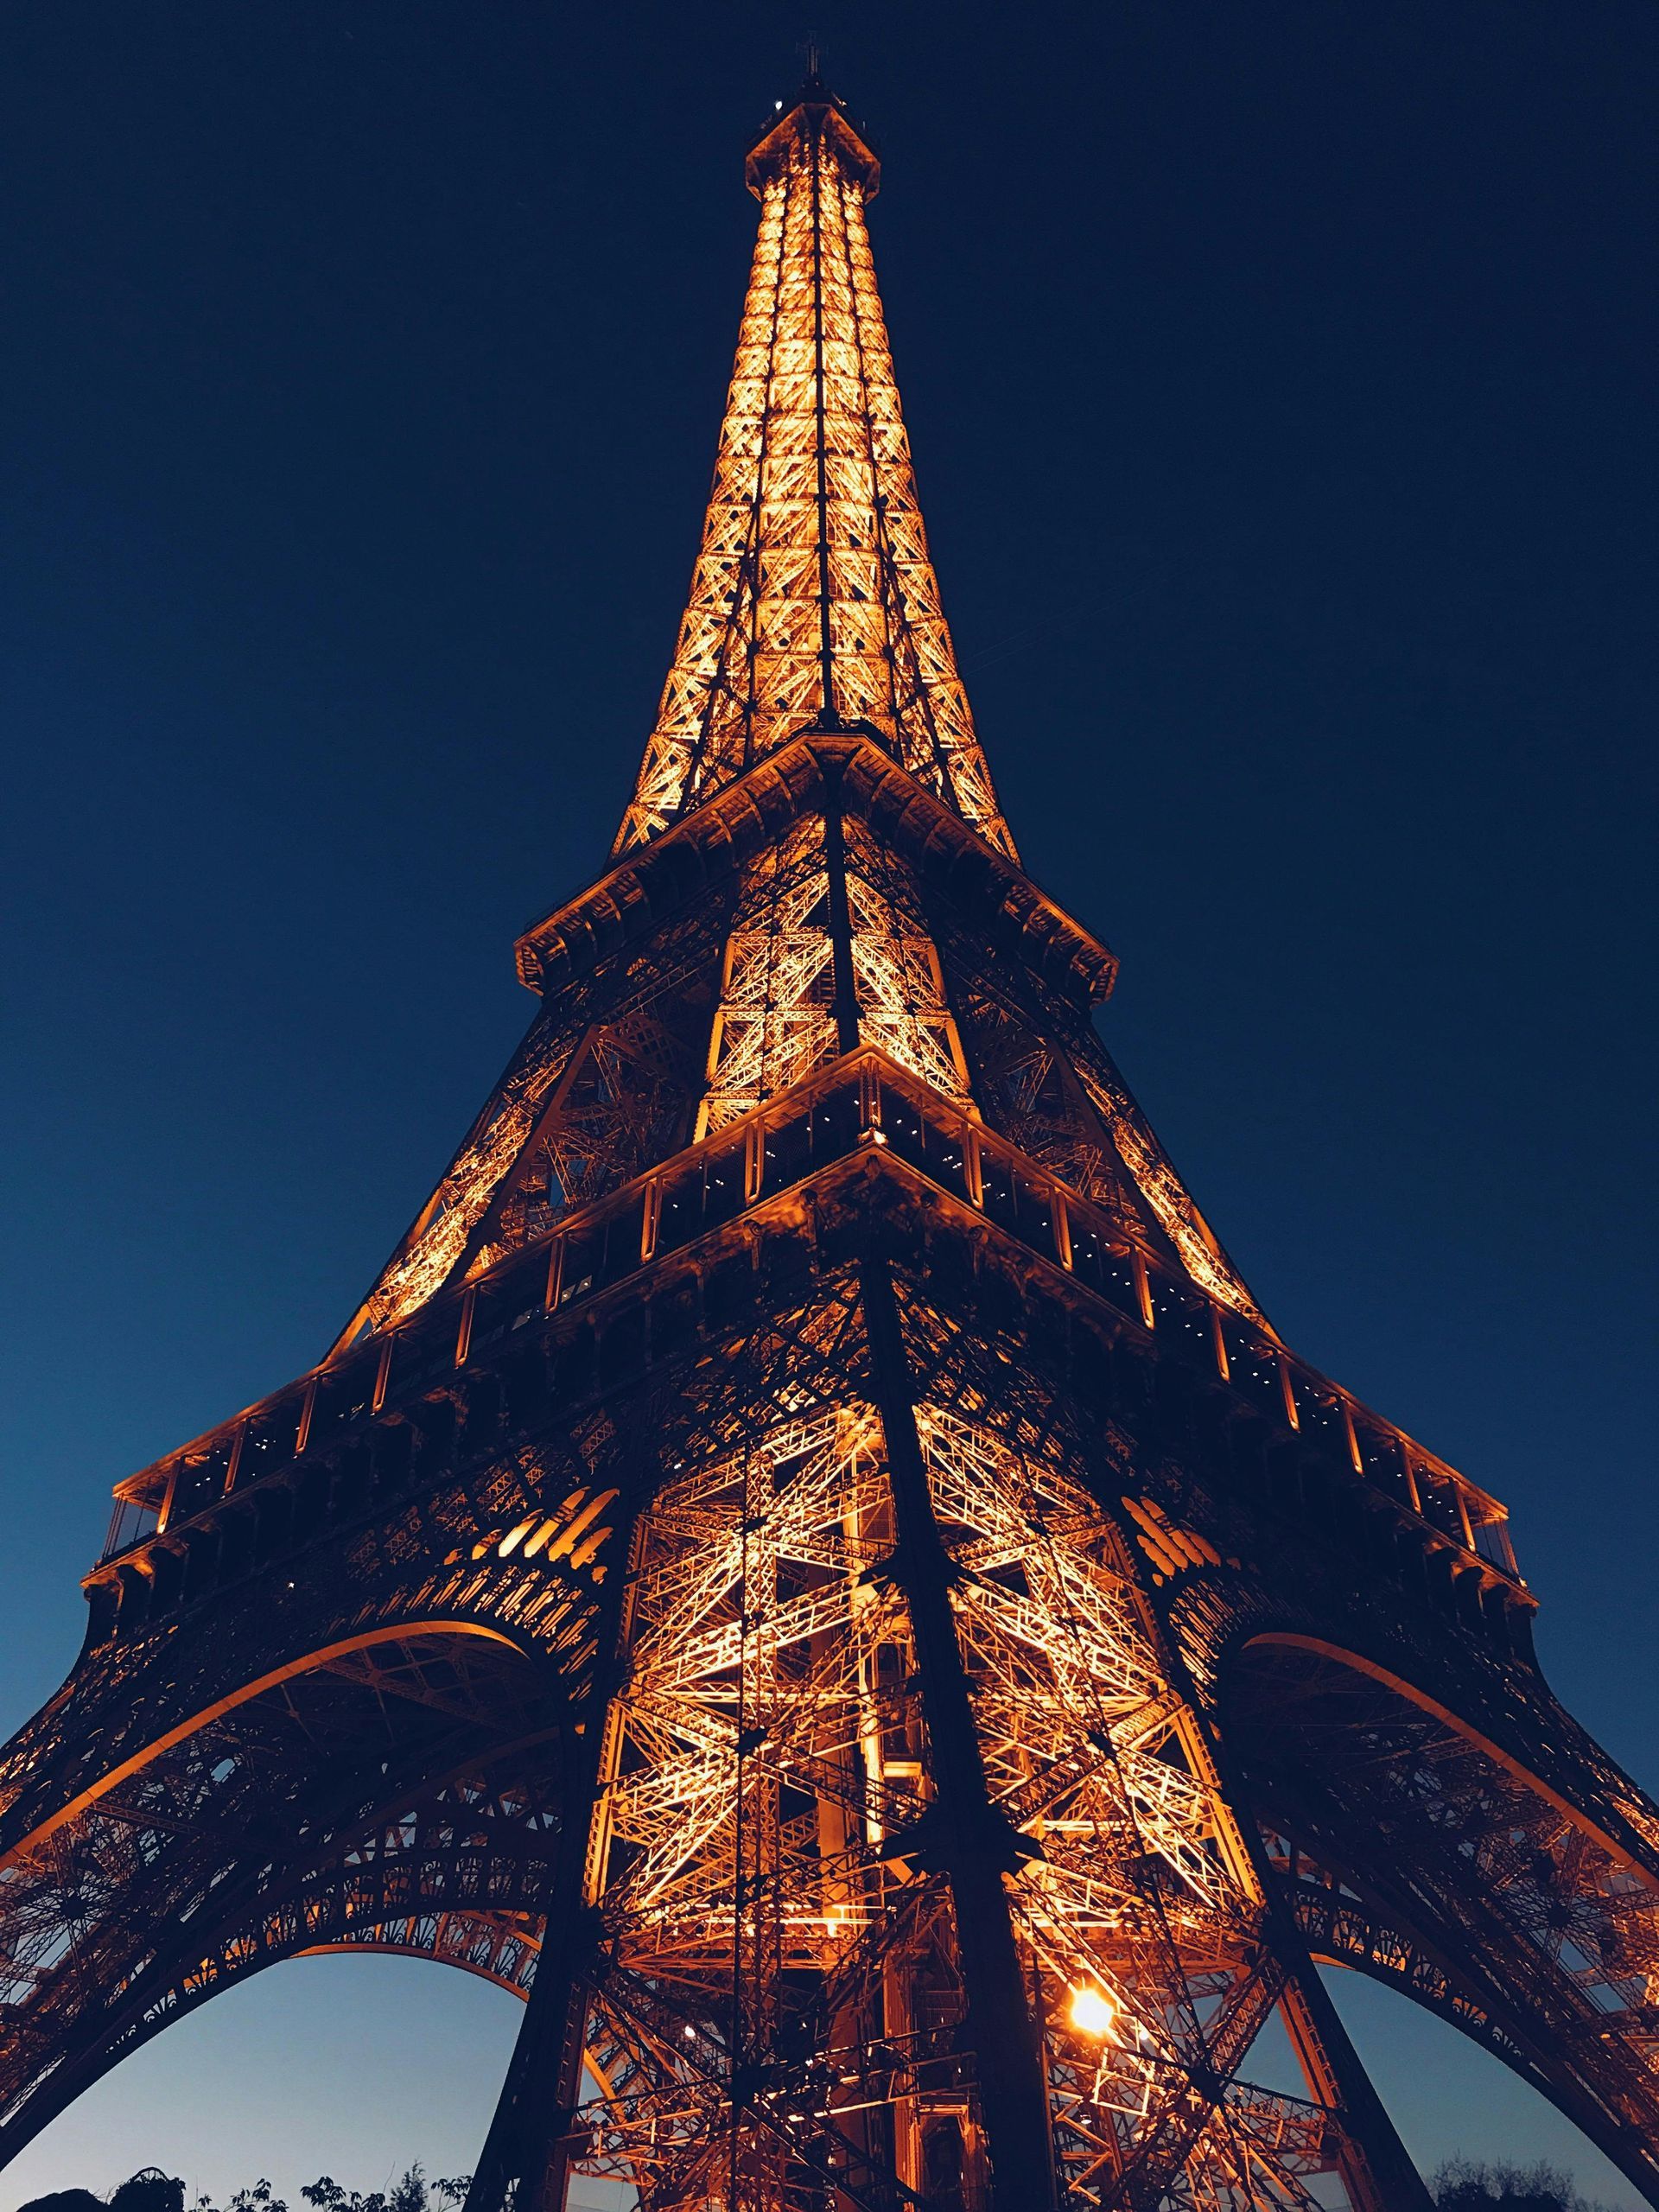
{"x": 1032, "y": 1543}
{"x": 197, "y": 1776}
{"x": 600, "y": 1090}
{"x": 692, "y": 1021}
{"x": 1540, "y": 1935}
{"x": 770, "y": 1764}
{"x": 810, "y": 1561}
{"x": 813, "y": 599}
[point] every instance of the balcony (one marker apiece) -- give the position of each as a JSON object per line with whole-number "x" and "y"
{"x": 864, "y": 1100}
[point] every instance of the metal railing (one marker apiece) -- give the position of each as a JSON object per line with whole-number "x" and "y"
{"x": 864, "y": 1099}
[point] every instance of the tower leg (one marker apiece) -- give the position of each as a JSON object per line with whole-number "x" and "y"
{"x": 526, "y": 2151}
{"x": 1377, "y": 2169}
{"x": 521, "y": 2163}
{"x": 977, "y": 1843}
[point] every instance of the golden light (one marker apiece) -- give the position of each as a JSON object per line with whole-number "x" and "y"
{"x": 1092, "y": 2011}
{"x": 782, "y": 573}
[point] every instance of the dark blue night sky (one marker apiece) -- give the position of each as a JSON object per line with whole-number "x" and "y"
{"x": 1281, "y": 378}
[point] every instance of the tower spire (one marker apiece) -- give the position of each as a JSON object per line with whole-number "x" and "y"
{"x": 813, "y": 603}
{"x": 809, "y": 1563}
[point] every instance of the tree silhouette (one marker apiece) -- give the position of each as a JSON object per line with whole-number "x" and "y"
{"x": 154, "y": 2191}
{"x": 1490, "y": 2185}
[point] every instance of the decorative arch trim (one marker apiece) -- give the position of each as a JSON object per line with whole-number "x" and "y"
{"x": 1444, "y": 1713}
{"x": 270, "y": 1679}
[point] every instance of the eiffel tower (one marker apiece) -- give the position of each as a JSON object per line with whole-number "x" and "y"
{"x": 809, "y": 1565}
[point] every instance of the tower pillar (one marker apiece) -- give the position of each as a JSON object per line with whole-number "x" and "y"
{"x": 971, "y": 1837}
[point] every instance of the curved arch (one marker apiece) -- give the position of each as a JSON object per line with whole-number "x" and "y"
{"x": 426, "y": 1945}
{"x": 1471, "y": 1884}
{"x": 1339, "y": 1930}
{"x": 1448, "y": 1718}
{"x": 310, "y": 1662}
{"x": 436, "y": 1953}
{"x": 350, "y": 1767}
{"x": 409, "y": 1945}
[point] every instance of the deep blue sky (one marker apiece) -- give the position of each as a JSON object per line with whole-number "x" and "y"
{"x": 1281, "y": 378}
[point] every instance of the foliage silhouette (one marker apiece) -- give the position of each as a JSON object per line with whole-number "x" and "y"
{"x": 1491, "y": 2185}
{"x": 153, "y": 2191}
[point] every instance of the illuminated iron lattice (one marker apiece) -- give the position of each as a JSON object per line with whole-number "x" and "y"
{"x": 813, "y": 593}
{"x": 808, "y": 1567}
{"x": 766, "y": 1768}
{"x": 776, "y": 1023}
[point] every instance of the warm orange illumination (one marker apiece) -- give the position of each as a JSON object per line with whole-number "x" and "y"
{"x": 911, "y": 1638}
{"x": 776, "y": 1025}
{"x": 514, "y": 1537}
{"x": 814, "y": 595}
{"x": 813, "y": 606}
{"x": 1091, "y": 2012}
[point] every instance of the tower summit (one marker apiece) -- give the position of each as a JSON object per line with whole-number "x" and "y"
{"x": 814, "y": 603}
{"x": 809, "y": 1565}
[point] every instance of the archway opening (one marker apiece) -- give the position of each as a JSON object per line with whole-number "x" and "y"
{"x": 1405, "y": 1845}
{"x": 353, "y": 2066}
{"x": 1449, "y": 2098}
{"x": 398, "y": 1783}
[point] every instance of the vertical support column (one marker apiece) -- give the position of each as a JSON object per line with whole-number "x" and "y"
{"x": 1218, "y": 1344}
{"x": 525, "y": 2154}
{"x": 1287, "y": 1392}
{"x": 1376, "y": 2167}
{"x": 1142, "y": 1284}
{"x": 1062, "y": 1230}
{"x": 307, "y": 1407}
{"x": 814, "y": 136}
{"x": 975, "y": 1841}
{"x": 841, "y": 915}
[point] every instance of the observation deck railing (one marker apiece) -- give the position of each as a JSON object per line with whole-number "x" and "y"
{"x": 863, "y": 1099}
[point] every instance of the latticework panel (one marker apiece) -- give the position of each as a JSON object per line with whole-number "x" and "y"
{"x": 294, "y": 1758}
{"x": 842, "y": 1623}
{"x": 600, "y": 1089}
{"x": 1044, "y": 1078}
{"x": 437, "y": 1241}
{"x": 174, "y": 1878}
{"x": 1171, "y": 1202}
{"x": 813, "y": 595}
{"x": 625, "y": 1103}
{"x": 1029, "y": 1093}
{"x": 902, "y": 1005}
{"x": 1551, "y": 1935}
{"x": 776, "y": 1023}
{"x": 780, "y": 2010}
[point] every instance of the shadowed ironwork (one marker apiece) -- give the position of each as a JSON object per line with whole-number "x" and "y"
{"x": 809, "y": 1565}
